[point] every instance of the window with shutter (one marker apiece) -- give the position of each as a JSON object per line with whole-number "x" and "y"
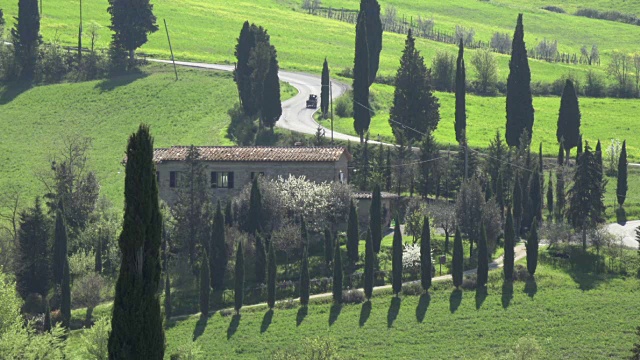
{"x": 214, "y": 179}
{"x": 230, "y": 180}
{"x": 173, "y": 179}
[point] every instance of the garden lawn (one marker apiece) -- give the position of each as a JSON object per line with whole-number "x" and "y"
{"x": 602, "y": 119}
{"x": 192, "y": 110}
{"x": 566, "y": 321}
{"x": 205, "y": 30}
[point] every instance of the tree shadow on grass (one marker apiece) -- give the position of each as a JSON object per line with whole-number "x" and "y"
{"x": 507, "y": 293}
{"x": 394, "y": 309}
{"x": 124, "y": 80}
{"x": 531, "y": 287}
{"x": 200, "y": 326}
{"x": 423, "y": 306}
{"x": 266, "y": 321}
{"x": 454, "y": 300}
{"x": 365, "y": 312}
{"x": 334, "y": 313}
{"x": 233, "y": 326}
{"x": 302, "y": 313}
{"x": 13, "y": 90}
{"x": 481, "y": 295}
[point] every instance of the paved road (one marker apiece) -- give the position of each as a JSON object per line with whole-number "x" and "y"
{"x": 295, "y": 115}
{"x": 627, "y": 233}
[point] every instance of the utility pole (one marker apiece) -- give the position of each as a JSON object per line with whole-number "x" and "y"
{"x": 173, "y": 59}
{"x": 80, "y": 35}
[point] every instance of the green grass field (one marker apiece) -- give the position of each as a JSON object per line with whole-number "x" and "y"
{"x": 570, "y": 316}
{"x": 192, "y": 110}
{"x": 603, "y": 119}
{"x": 206, "y": 30}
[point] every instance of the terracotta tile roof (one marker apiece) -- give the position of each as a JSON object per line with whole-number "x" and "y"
{"x": 368, "y": 195}
{"x": 253, "y": 154}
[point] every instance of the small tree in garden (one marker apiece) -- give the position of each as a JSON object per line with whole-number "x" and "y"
{"x": 532, "y": 249}
{"x": 457, "y": 261}
{"x": 304, "y": 278}
{"x": 396, "y": 262}
{"x": 483, "y": 259}
{"x": 509, "y": 243}
{"x": 337, "y": 275}
{"x": 425, "y": 255}
{"x": 272, "y": 270}
{"x": 87, "y": 292}
{"x": 239, "y": 279}
{"x": 204, "y": 285}
{"x": 369, "y": 266}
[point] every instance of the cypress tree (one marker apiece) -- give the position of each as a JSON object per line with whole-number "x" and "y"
{"x": 568, "y": 133}
{"x": 205, "y": 284}
{"x": 272, "y": 270}
{"x": 426, "y": 266}
{"x": 304, "y": 278}
{"x": 374, "y": 34}
{"x": 457, "y": 259}
{"x": 560, "y": 195}
{"x": 579, "y": 150}
{"x": 375, "y": 222}
{"x": 461, "y": 89}
{"x": 368, "y": 266}
{"x": 352, "y": 234}
{"x": 328, "y": 246}
{"x": 509, "y": 244}
{"x": 500, "y": 198}
{"x": 228, "y": 213}
{"x": 519, "y": 100}
{"x": 271, "y": 107}
{"x": 396, "y": 262}
{"x": 622, "y": 186}
{"x": 59, "y": 245}
{"x": 483, "y": 258}
{"x": 337, "y": 275}
{"x": 414, "y": 104}
{"x": 238, "y": 295}
{"x": 26, "y": 38}
{"x": 65, "y": 295}
{"x": 219, "y": 257}
{"x": 136, "y": 325}
{"x": 535, "y": 198}
{"x": 47, "y": 310}
{"x": 361, "y": 114}
{"x": 242, "y": 73}
{"x": 167, "y": 297}
{"x": 550, "y": 197}
{"x": 561, "y": 154}
{"x": 33, "y": 265}
{"x": 303, "y": 232}
{"x": 260, "y": 261}
{"x": 254, "y": 218}
{"x": 131, "y": 22}
{"x": 325, "y": 84}
{"x": 517, "y": 205}
{"x": 532, "y": 249}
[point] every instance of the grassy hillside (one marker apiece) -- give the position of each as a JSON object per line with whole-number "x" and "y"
{"x": 571, "y": 315}
{"x": 192, "y": 110}
{"x": 206, "y": 30}
{"x": 602, "y": 119}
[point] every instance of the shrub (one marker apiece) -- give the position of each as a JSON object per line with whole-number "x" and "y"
{"x": 54, "y": 64}
{"x": 353, "y": 297}
{"x": 95, "y": 340}
{"x": 594, "y": 85}
{"x": 470, "y": 282}
{"x": 412, "y": 288}
{"x": 344, "y": 106}
{"x": 609, "y": 15}
{"x": 444, "y": 70}
{"x": 555, "y": 9}
{"x": 316, "y": 349}
{"x": 520, "y": 273}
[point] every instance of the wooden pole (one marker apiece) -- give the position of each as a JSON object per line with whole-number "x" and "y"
{"x": 173, "y": 59}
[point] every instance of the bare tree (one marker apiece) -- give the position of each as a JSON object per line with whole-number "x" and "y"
{"x": 87, "y": 291}
{"x": 636, "y": 71}
{"x": 92, "y": 33}
{"x": 444, "y": 217}
{"x": 390, "y": 17}
{"x": 619, "y": 69}
{"x": 592, "y": 56}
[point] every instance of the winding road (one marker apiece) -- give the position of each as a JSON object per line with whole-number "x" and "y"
{"x": 295, "y": 115}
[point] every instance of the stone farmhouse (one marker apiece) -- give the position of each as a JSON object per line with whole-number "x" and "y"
{"x": 231, "y": 168}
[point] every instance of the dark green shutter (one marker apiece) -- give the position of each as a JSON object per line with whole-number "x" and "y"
{"x": 214, "y": 179}
{"x": 230, "y": 180}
